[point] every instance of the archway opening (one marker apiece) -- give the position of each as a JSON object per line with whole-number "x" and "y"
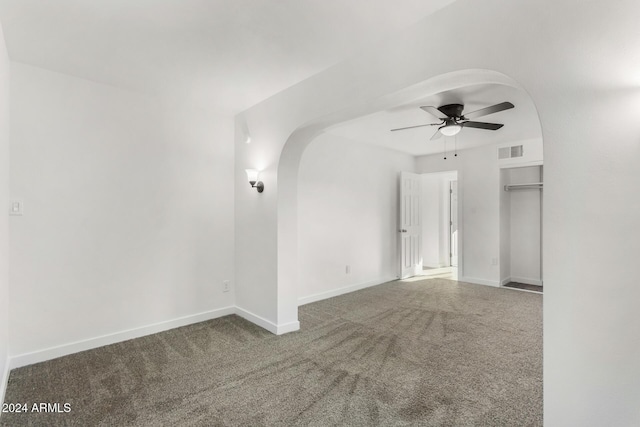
{"x": 440, "y": 89}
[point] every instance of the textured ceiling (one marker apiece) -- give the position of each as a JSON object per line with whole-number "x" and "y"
{"x": 223, "y": 54}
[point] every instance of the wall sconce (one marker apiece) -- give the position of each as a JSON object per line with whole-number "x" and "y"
{"x": 252, "y": 174}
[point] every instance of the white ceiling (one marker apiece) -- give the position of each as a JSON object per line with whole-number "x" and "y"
{"x": 520, "y": 123}
{"x": 224, "y": 54}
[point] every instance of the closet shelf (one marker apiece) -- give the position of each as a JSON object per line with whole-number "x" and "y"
{"x": 510, "y": 187}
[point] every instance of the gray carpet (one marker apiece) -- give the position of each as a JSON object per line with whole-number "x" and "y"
{"x": 431, "y": 353}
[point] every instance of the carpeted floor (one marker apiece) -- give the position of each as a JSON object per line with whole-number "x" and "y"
{"x": 431, "y": 353}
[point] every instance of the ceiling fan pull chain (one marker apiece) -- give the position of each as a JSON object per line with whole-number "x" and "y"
{"x": 455, "y": 146}
{"x": 444, "y": 143}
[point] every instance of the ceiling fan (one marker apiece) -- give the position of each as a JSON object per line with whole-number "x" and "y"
{"x": 453, "y": 120}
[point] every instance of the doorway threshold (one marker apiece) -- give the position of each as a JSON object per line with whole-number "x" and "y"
{"x": 450, "y": 273}
{"x": 524, "y": 287}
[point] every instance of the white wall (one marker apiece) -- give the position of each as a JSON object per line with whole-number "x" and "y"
{"x": 128, "y": 210}
{"x": 347, "y": 215}
{"x": 524, "y": 246}
{"x": 431, "y": 186}
{"x": 436, "y": 217}
{"x": 255, "y": 249}
{"x": 478, "y": 200}
{"x": 4, "y": 220}
{"x": 578, "y": 62}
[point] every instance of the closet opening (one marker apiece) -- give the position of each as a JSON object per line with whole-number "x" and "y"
{"x": 521, "y": 228}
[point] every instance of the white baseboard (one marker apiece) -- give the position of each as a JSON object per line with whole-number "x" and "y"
{"x": 260, "y": 321}
{"x": 5, "y": 381}
{"x": 494, "y": 283}
{"x": 288, "y": 327}
{"x": 433, "y": 267}
{"x": 341, "y": 291}
{"x": 88, "y": 344}
{"x": 268, "y": 324}
{"x": 526, "y": 280}
{"x": 505, "y": 281}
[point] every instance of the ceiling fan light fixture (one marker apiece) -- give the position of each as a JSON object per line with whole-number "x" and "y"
{"x": 450, "y": 130}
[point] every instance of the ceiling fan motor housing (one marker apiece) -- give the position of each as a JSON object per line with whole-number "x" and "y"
{"x": 452, "y": 110}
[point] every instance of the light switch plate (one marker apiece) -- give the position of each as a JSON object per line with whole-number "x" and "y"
{"x": 16, "y": 208}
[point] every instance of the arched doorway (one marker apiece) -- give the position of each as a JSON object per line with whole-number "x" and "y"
{"x": 288, "y": 167}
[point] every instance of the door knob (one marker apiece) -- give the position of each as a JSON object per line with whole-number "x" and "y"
{"x": 403, "y": 231}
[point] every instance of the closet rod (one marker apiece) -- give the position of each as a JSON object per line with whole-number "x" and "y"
{"x": 516, "y": 186}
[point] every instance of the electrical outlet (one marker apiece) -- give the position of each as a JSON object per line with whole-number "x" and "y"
{"x": 16, "y": 208}
{"x": 225, "y": 286}
{"x": 347, "y": 270}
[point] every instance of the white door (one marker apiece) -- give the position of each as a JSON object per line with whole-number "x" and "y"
{"x": 453, "y": 232}
{"x": 410, "y": 228}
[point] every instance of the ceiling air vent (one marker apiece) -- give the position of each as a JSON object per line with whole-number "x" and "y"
{"x": 510, "y": 152}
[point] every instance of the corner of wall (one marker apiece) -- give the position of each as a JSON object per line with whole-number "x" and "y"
{"x": 4, "y": 382}
{"x": 4, "y": 221}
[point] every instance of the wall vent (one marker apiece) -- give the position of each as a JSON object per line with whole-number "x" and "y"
{"x": 510, "y": 152}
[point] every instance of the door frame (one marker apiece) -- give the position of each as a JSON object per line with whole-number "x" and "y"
{"x": 460, "y": 180}
{"x": 450, "y": 234}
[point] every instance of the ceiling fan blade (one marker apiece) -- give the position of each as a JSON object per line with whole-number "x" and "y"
{"x": 434, "y": 112}
{"x": 417, "y": 126}
{"x": 481, "y": 125}
{"x": 436, "y": 135}
{"x": 489, "y": 110}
